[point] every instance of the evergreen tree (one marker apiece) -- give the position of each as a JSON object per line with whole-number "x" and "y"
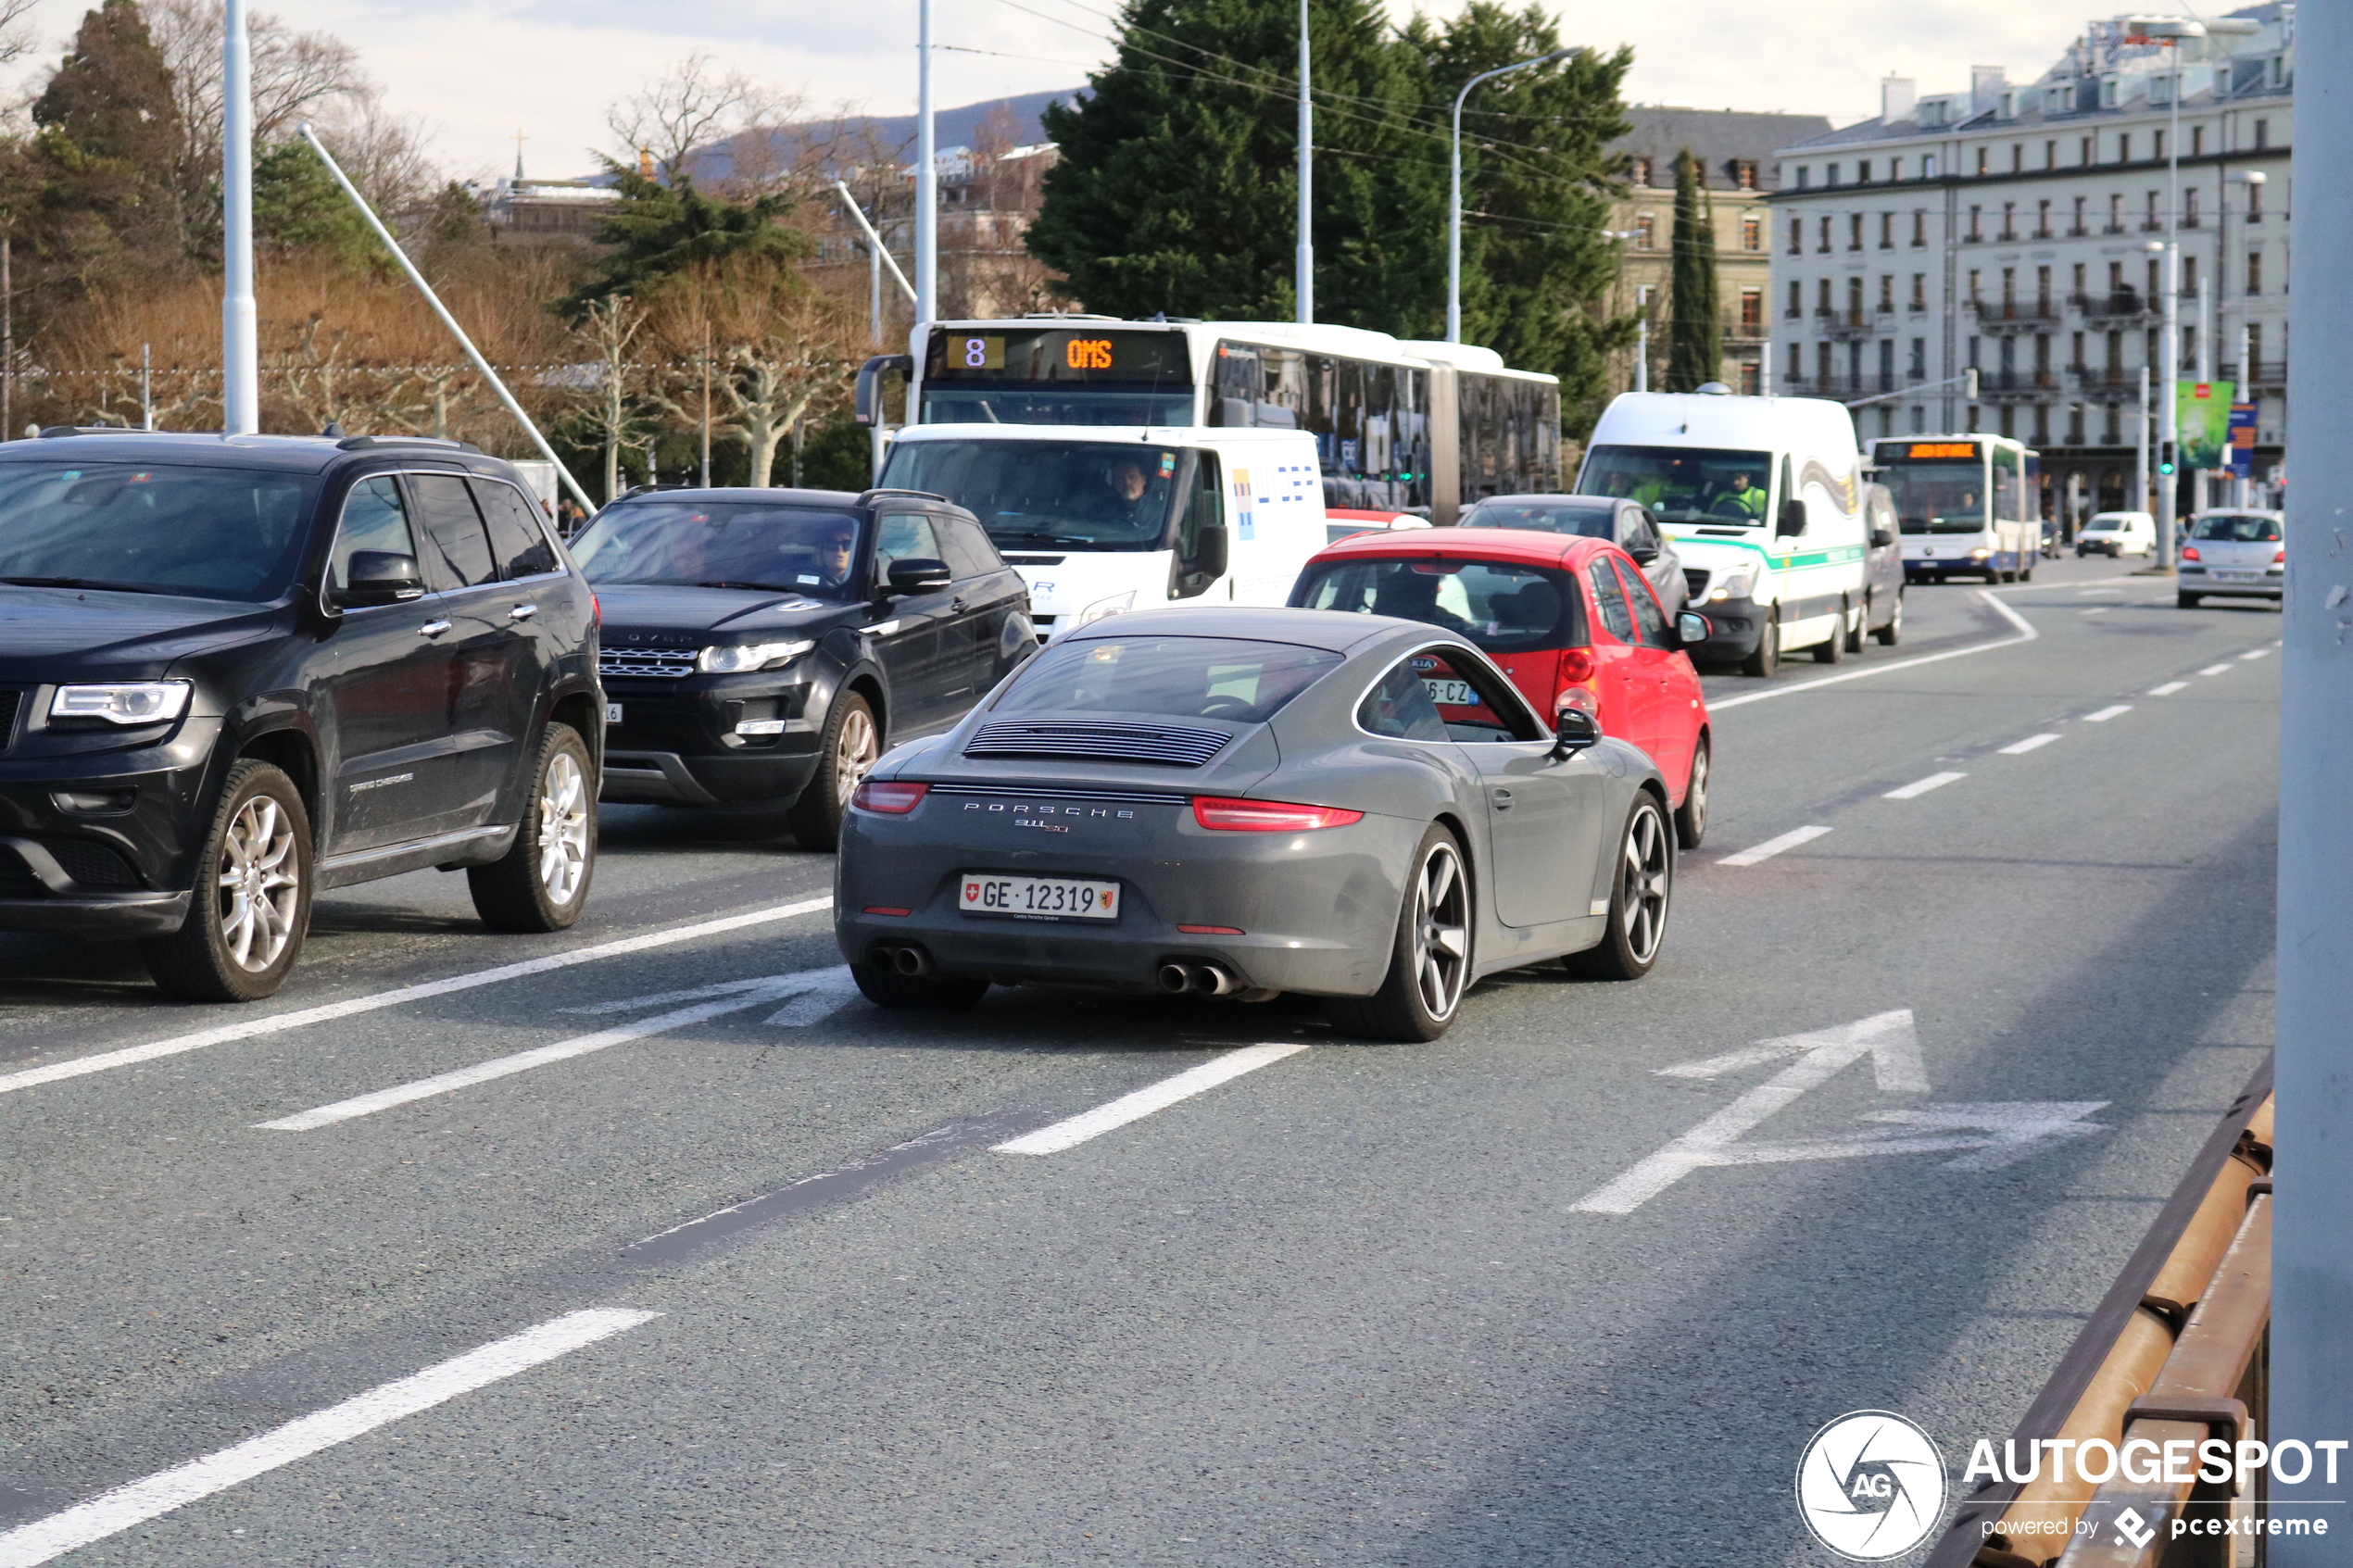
{"x": 109, "y": 138}
{"x": 1695, "y": 354}
{"x": 662, "y": 231}
{"x": 298, "y": 206}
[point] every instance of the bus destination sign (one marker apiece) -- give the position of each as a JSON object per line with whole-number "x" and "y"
{"x": 1058, "y": 355}
{"x": 1930, "y": 451}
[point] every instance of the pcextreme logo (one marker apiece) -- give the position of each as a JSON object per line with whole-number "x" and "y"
{"x": 1870, "y": 1486}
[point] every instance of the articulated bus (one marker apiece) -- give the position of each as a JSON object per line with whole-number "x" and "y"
{"x": 1120, "y": 465}
{"x": 1969, "y": 505}
{"x": 1399, "y": 425}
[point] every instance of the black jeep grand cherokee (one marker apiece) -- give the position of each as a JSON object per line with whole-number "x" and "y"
{"x": 234, "y": 671}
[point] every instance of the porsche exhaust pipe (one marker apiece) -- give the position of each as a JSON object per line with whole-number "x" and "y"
{"x": 906, "y": 961}
{"x": 1208, "y": 979}
{"x": 1176, "y": 979}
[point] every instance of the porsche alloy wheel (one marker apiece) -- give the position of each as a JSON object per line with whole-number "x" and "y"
{"x": 1431, "y": 960}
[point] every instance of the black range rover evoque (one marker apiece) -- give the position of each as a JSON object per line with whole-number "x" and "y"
{"x": 769, "y": 644}
{"x": 234, "y": 671}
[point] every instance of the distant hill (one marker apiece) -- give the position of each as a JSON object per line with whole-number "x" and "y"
{"x": 890, "y": 135}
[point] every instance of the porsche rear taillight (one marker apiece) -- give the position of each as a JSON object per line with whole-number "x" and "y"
{"x": 1223, "y": 814}
{"x": 888, "y": 797}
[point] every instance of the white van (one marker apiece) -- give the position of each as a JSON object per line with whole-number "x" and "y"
{"x": 1763, "y": 497}
{"x": 2117, "y": 535}
{"x": 1099, "y": 520}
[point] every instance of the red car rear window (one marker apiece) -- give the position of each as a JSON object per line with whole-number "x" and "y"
{"x": 1499, "y": 606}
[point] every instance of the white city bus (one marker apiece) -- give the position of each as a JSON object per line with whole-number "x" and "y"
{"x": 1398, "y": 425}
{"x": 1970, "y": 504}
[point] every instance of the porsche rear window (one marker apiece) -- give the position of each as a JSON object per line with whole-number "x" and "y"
{"x": 1499, "y": 606}
{"x": 1244, "y": 682}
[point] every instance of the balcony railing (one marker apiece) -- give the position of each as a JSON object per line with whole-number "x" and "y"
{"x": 2014, "y": 315}
{"x": 2121, "y": 305}
{"x": 1838, "y": 389}
{"x": 1846, "y": 323}
{"x": 2114, "y": 379}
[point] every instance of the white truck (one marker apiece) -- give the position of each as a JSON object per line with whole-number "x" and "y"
{"x": 1101, "y": 520}
{"x": 1763, "y": 497}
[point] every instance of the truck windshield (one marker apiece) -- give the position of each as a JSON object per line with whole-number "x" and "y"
{"x": 1086, "y": 495}
{"x": 205, "y": 532}
{"x": 1682, "y": 484}
{"x": 707, "y": 545}
{"x": 1938, "y": 498}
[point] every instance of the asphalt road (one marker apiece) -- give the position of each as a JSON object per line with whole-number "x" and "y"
{"x": 1517, "y": 1297}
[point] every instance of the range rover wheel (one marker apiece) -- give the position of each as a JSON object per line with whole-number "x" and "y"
{"x": 849, "y": 749}
{"x": 251, "y": 906}
{"x": 542, "y": 882}
{"x": 1429, "y": 962}
{"x": 1638, "y": 900}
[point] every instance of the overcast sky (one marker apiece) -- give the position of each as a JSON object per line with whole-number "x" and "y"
{"x": 476, "y": 71}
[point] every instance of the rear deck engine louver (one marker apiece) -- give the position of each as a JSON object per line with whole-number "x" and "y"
{"x": 1174, "y": 745}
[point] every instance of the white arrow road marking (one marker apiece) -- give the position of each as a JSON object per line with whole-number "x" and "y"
{"x": 663, "y": 998}
{"x": 114, "y": 1512}
{"x": 764, "y": 991}
{"x": 827, "y": 991}
{"x": 1992, "y": 1136}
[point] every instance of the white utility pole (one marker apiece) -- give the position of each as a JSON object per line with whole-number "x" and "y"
{"x": 240, "y": 332}
{"x": 1303, "y": 266}
{"x": 2141, "y": 447}
{"x": 2311, "y": 1364}
{"x": 926, "y": 177}
{"x": 2171, "y": 32}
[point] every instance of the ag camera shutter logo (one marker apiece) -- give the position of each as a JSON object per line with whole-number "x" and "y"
{"x": 1870, "y": 1486}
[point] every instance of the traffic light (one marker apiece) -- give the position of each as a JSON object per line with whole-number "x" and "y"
{"x": 1968, "y": 377}
{"x": 2165, "y": 458}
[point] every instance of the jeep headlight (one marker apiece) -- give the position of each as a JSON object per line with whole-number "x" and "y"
{"x": 735, "y": 659}
{"x": 1102, "y": 607}
{"x": 1737, "y": 583}
{"x": 123, "y": 702}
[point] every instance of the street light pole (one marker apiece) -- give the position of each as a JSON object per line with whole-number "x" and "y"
{"x": 1304, "y": 263}
{"x": 1454, "y": 197}
{"x": 926, "y": 176}
{"x": 240, "y": 332}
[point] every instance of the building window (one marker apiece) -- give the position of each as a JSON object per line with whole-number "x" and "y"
{"x": 2075, "y": 354}
{"x": 1797, "y": 236}
{"x": 1797, "y": 364}
{"x": 1752, "y": 378}
{"x": 2009, "y": 220}
{"x": 1918, "y": 368}
{"x": 1752, "y": 233}
{"x": 1920, "y": 420}
{"x": 1796, "y": 299}
{"x": 1826, "y": 371}
{"x": 2050, "y": 155}
{"x": 2150, "y": 220}
{"x": 1830, "y": 174}
{"x": 1744, "y": 173}
{"x": 1640, "y": 172}
{"x": 1974, "y": 349}
{"x": 1886, "y": 420}
{"x": 1887, "y": 230}
{"x": 2157, "y": 144}
{"x": 2018, "y": 158}
{"x": 2262, "y": 134}
{"x": 2042, "y": 290}
{"x": 1895, "y": 168}
{"x": 1855, "y": 301}
{"x": 2124, "y": 146}
{"x": 1645, "y": 232}
{"x": 2254, "y": 368}
{"x": 2198, "y": 141}
{"x": 2042, "y": 425}
{"x": 1928, "y": 165}
{"x": 1855, "y": 231}
{"x": 1976, "y": 291}
{"x": 2189, "y": 207}
{"x": 2009, "y": 291}
{"x": 1919, "y": 229}
{"x": 1886, "y": 364}
{"x": 2080, "y": 230}
{"x": 2156, "y": 281}
{"x": 1822, "y": 298}
{"x": 2042, "y": 219}
{"x": 1804, "y": 173}
{"x": 2255, "y": 272}
{"x": 1752, "y": 311}
{"x": 2116, "y": 212}
{"x": 1822, "y": 241}
{"x": 2083, "y": 152}
{"x": 2112, "y": 432}
{"x": 1919, "y": 291}
{"x": 2255, "y": 204}
{"x": 2189, "y": 277}
{"x": 1976, "y": 224}
{"x": 1983, "y": 160}
{"x": 1863, "y": 172}
{"x": 1887, "y": 293}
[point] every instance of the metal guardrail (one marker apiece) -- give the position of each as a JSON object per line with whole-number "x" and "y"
{"x": 2177, "y": 1345}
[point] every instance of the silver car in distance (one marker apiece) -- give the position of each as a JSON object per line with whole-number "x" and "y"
{"x": 1244, "y": 802}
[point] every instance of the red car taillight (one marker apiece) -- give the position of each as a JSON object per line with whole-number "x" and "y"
{"x": 2279, "y": 556}
{"x": 1578, "y": 665}
{"x": 2189, "y": 552}
{"x": 888, "y": 797}
{"x": 1227, "y": 815}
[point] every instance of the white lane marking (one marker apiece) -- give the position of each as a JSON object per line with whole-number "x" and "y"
{"x": 2101, "y": 593}
{"x": 2031, "y": 743}
{"x": 2026, "y": 633}
{"x": 828, "y": 991}
{"x": 2096, "y": 609}
{"x": 131, "y": 1055}
{"x": 1144, "y": 1101}
{"x": 663, "y": 998}
{"x": 523, "y": 1062}
{"x": 2215, "y": 670}
{"x": 2257, "y": 653}
{"x": 1773, "y": 846}
{"x": 2104, "y": 714}
{"x": 111, "y": 1512}
{"x": 1918, "y": 787}
{"x": 2169, "y": 688}
{"x": 1991, "y": 1135}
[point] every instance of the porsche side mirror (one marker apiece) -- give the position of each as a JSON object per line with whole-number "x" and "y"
{"x": 1692, "y": 628}
{"x": 1575, "y": 730}
{"x": 918, "y": 574}
{"x": 379, "y": 577}
{"x": 1793, "y": 519}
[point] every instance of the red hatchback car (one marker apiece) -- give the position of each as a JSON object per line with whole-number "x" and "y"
{"x": 1569, "y": 619}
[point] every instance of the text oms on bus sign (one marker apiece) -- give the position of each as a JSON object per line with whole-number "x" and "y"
{"x": 1923, "y": 450}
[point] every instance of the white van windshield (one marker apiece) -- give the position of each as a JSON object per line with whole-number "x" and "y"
{"x": 1682, "y": 484}
{"x": 1101, "y": 495}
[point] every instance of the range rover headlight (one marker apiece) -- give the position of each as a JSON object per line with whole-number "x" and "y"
{"x": 737, "y": 657}
{"x": 122, "y": 702}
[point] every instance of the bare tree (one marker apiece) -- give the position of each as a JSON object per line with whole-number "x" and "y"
{"x": 19, "y": 35}
{"x": 690, "y": 111}
{"x": 295, "y": 74}
{"x": 609, "y": 334}
{"x": 383, "y": 153}
{"x": 779, "y": 345}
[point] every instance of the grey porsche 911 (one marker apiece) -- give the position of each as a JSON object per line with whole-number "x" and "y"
{"x": 1244, "y": 802}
